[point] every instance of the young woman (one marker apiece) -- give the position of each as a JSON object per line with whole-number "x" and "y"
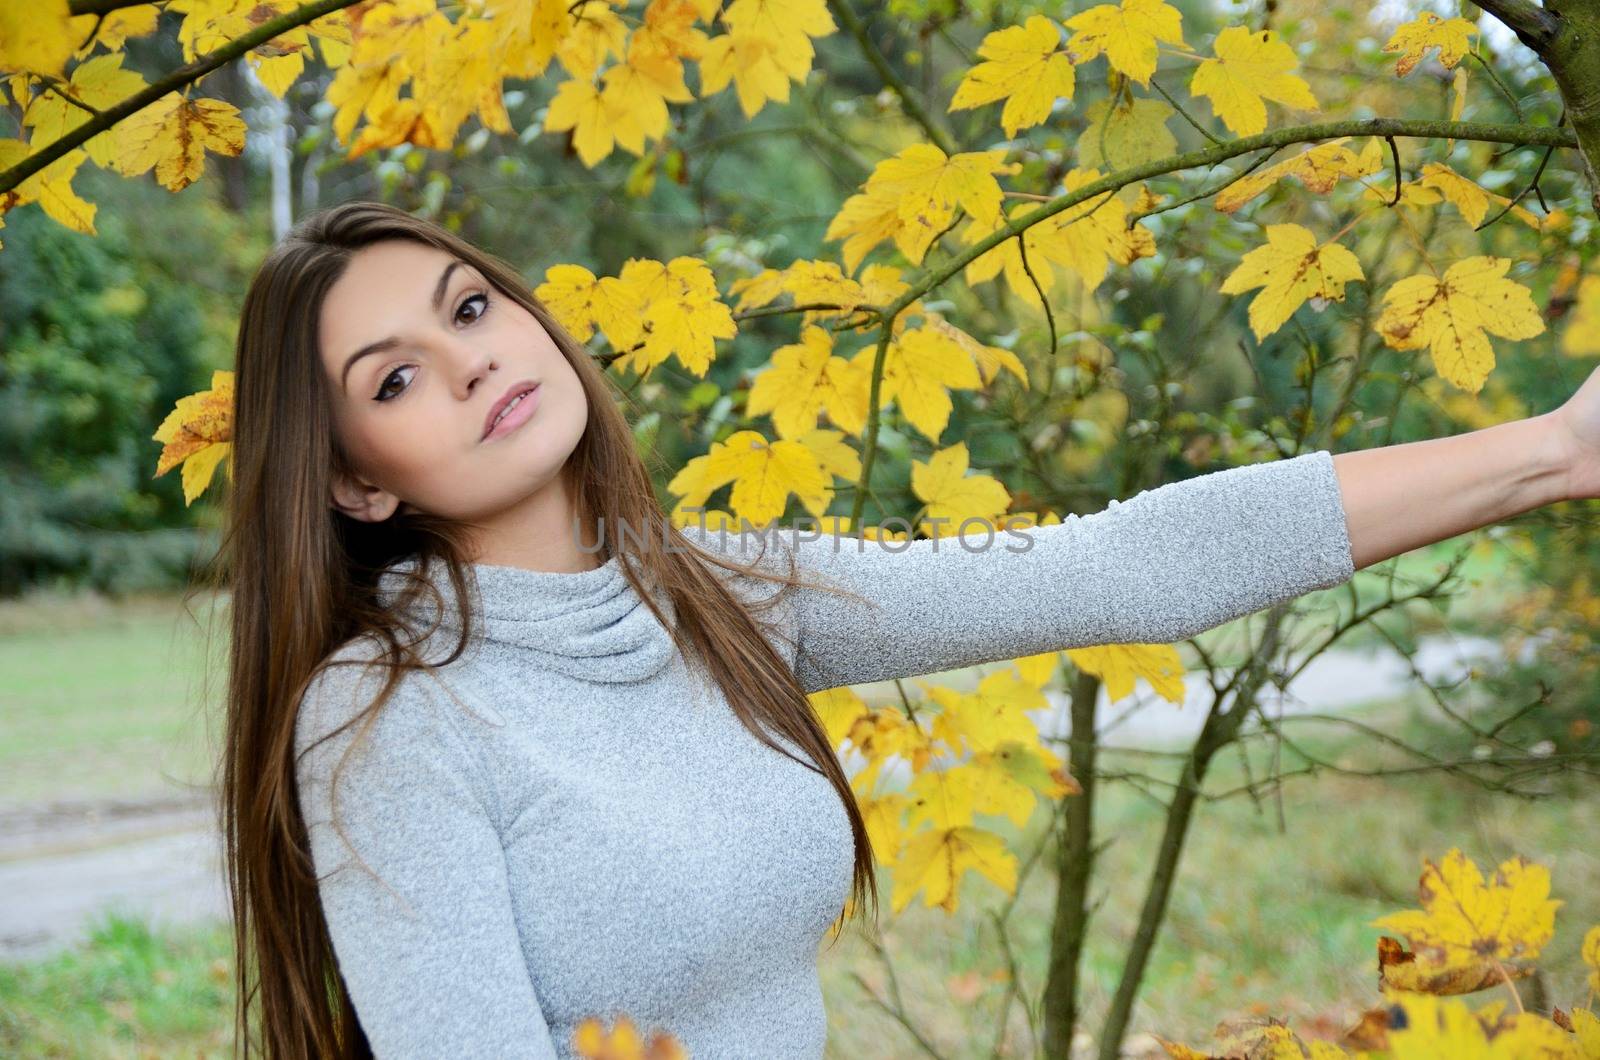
{"x": 506, "y": 750}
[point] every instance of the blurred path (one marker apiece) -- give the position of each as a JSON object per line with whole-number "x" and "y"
{"x": 61, "y": 865}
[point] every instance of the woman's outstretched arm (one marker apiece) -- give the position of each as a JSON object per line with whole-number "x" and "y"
{"x": 1157, "y": 567}
{"x": 1171, "y": 561}
{"x": 1401, "y": 497}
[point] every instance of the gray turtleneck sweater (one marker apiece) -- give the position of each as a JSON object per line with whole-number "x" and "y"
{"x": 565, "y": 822}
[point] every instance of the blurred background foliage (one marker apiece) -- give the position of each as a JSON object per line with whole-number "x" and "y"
{"x": 99, "y": 335}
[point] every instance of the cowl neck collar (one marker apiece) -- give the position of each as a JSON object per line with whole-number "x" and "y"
{"x": 590, "y": 624}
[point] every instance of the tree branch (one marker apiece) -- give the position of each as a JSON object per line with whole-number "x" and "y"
{"x": 1533, "y": 25}
{"x": 179, "y": 78}
{"x": 913, "y": 107}
{"x": 101, "y": 7}
{"x": 1210, "y": 156}
{"x": 1207, "y": 156}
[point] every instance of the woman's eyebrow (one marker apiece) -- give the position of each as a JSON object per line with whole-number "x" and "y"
{"x": 392, "y": 341}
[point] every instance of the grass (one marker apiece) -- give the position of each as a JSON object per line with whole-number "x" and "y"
{"x": 102, "y": 699}
{"x": 125, "y": 992}
{"x": 108, "y": 703}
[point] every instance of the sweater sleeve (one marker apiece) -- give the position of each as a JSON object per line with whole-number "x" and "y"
{"x": 425, "y": 941}
{"x": 1159, "y": 567}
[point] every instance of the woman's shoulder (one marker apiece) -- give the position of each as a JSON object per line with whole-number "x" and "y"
{"x": 345, "y": 684}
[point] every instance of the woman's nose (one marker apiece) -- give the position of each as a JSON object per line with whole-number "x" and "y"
{"x": 470, "y": 365}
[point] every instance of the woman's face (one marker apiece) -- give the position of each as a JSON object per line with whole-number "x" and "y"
{"x": 419, "y": 350}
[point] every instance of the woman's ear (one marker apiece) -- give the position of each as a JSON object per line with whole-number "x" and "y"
{"x": 362, "y": 500}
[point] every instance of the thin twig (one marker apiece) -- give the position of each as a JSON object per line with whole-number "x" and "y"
{"x": 1523, "y": 194}
{"x": 1201, "y": 129}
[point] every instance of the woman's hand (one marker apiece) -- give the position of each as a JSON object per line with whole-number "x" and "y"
{"x": 1576, "y": 425}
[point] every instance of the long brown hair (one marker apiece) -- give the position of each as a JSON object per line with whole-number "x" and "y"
{"x": 302, "y": 581}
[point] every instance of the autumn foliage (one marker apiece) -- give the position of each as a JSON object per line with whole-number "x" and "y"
{"x": 1341, "y": 211}
{"x": 1473, "y": 933}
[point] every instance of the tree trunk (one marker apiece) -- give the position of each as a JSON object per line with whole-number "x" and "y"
{"x": 1074, "y": 869}
{"x": 1220, "y": 730}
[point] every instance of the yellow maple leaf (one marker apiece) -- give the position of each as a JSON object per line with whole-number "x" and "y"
{"x": 1290, "y": 269}
{"x": 363, "y": 87}
{"x": 838, "y": 709}
{"x": 597, "y": 120}
{"x": 871, "y": 216}
{"x": 1466, "y": 918}
{"x": 174, "y": 133}
{"x": 1319, "y": 168}
{"x": 761, "y": 289}
{"x": 115, "y": 28}
{"x": 637, "y": 92}
{"x": 1453, "y": 316}
{"x": 677, "y": 313}
{"x": 459, "y": 78}
{"x": 990, "y": 716}
{"x": 403, "y": 121}
{"x": 928, "y": 184}
{"x": 751, "y": 62}
{"x": 581, "y": 302}
{"x": 669, "y": 30}
{"x": 1586, "y": 1028}
{"x": 198, "y": 434}
{"x": 51, "y": 188}
{"x": 1024, "y": 66}
{"x": 952, "y": 496}
{"x": 391, "y": 43}
{"x": 1085, "y": 238}
{"x": 991, "y": 359}
{"x": 623, "y": 1041}
{"x": 595, "y": 33}
{"x": 997, "y": 790}
{"x": 1265, "y": 1038}
{"x": 943, "y": 798}
{"x": 1414, "y": 38}
{"x": 100, "y": 82}
{"x": 1127, "y": 33}
{"x": 1446, "y": 1027}
{"x": 1465, "y": 194}
{"x": 1122, "y": 133}
{"x": 209, "y": 24}
{"x": 529, "y": 33}
{"x": 883, "y": 816}
{"x": 832, "y": 452}
{"x": 806, "y": 379}
{"x": 882, "y": 734}
{"x": 1038, "y": 669}
{"x": 823, "y": 283}
{"x": 37, "y": 37}
{"x": 1119, "y": 666}
{"x": 768, "y": 45}
{"x": 1250, "y": 67}
{"x": 934, "y": 862}
{"x": 763, "y": 474}
{"x": 921, "y": 367}
{"x": 686, "y": 327}
{"x": 789, "y": 23}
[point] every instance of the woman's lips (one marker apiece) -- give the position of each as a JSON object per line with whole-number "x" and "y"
{"x": 519, "y": 414}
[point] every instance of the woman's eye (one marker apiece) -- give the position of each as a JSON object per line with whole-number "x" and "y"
{"x": 383, "y": 388}
{"x": 474, "y": 298}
